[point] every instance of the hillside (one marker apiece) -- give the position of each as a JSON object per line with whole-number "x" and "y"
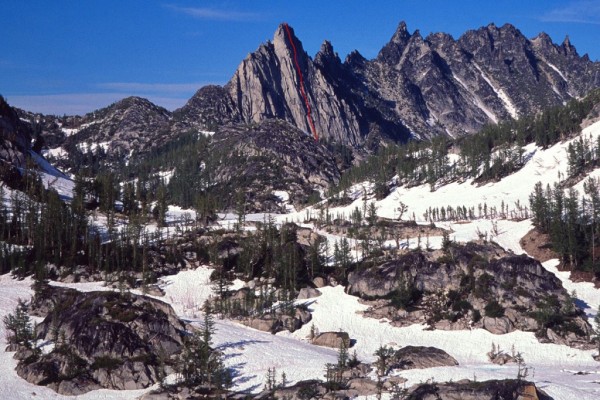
{"x": 562, "y": 369}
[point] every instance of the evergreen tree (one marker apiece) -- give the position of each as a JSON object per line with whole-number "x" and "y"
{"x": 19, "y": 324}
{"x": 161, "y": 205}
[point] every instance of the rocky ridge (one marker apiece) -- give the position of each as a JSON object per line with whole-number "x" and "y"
{"x": 260, "y": 158}
{"x": 416, "y": 87}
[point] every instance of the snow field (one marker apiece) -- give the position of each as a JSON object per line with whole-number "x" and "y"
{"x": 563, "y": 372}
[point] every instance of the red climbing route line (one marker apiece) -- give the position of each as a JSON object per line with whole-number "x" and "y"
{"x": 308, "y": 114}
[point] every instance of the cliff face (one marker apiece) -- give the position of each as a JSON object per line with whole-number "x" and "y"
{"x": 266, "y": 85}
{"x": 416, "y": 86}
{"x": 15, "y": 144}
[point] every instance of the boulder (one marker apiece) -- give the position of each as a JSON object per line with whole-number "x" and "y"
{"x": 419, "y": 357}
{"x": 363, "y": 386}
{"x": 332, "y": 339}
{"x": 308, "y": 293}
{"x": 498, "y": 326}
{"x": 487, "y": 390}
{"x": 319, "y": 282}
{"x": 266, "y": 324}
{"x": 501, "y": 358}
{"x": 279, "y": 321}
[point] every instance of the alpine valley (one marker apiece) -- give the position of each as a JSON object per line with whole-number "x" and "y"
{"x": 438, "y": 241}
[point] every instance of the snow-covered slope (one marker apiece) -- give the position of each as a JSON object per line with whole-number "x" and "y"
{"x": 563, "y": 372}
{"x": 52, "y": 178}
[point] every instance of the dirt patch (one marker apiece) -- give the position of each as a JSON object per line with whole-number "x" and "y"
{"x": 585, "y": 276}
{"x": 538, "y": 246}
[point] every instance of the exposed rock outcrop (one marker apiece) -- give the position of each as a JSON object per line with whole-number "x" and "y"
{"x": 210, "y": 107}
{"x": 332, "y": 339}
{"x": 419, "y": 357}
{"x": 476, "y": 285}
{"x": 102, "y": 340}
{"x": 509, "y": 389}
{"x": 15, "y": 144}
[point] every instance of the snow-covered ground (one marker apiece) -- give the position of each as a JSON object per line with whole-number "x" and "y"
{"x": 563, "y": 372}
{"x": 53, "y": 178}
{"x": 57, "y": 153}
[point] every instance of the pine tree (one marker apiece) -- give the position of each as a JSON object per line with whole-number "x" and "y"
{"x": 384, "y": 355}
{"x": 161, "y": 205}
{"x": 372, "y": 214}
{"x": 19, "y": 324}
{"x": 208, "y": 327}
{"x": 342, "y": 355}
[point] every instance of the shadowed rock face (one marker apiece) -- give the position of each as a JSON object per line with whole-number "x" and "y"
{"x": 15, "y": 143}
{"x": 102, "y": 340}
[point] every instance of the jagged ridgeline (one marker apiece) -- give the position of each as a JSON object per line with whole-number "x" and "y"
{"x": 415, "y": 88}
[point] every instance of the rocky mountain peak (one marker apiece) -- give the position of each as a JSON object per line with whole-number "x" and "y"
{"x": 282, "y": 43}
{"x": 544, "y": 43}
{"x": 354, "y": 58}
{"x": 401, "y": 35}
{"x": 209, "y": 107}
{"x": 568, "y": 48}
{"x": 415, "y": 87}
{"x": 392, "y": 51}
{"x": 326, "y": 55}
{"x": 281, "y": 33}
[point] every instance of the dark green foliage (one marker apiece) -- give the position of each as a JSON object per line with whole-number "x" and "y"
{"x": 572, "y": 224}
{"x": 552, "y": 314}
{"x": 106, "y": 362}
{"x": 308, "y": 392}
{"x": 19, "y": 326}
{"x": 494, "y": 310}
{"x": 200, "y": 364}
{"x": 384, "y": 356}
{"x": 45, "y": 231}
{"x": 406, "y": 295}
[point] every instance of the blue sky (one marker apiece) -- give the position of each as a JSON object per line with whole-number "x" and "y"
{"x": 75, "y": 56}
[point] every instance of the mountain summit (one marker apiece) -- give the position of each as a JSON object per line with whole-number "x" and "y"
{"x": 416, "y": 86}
